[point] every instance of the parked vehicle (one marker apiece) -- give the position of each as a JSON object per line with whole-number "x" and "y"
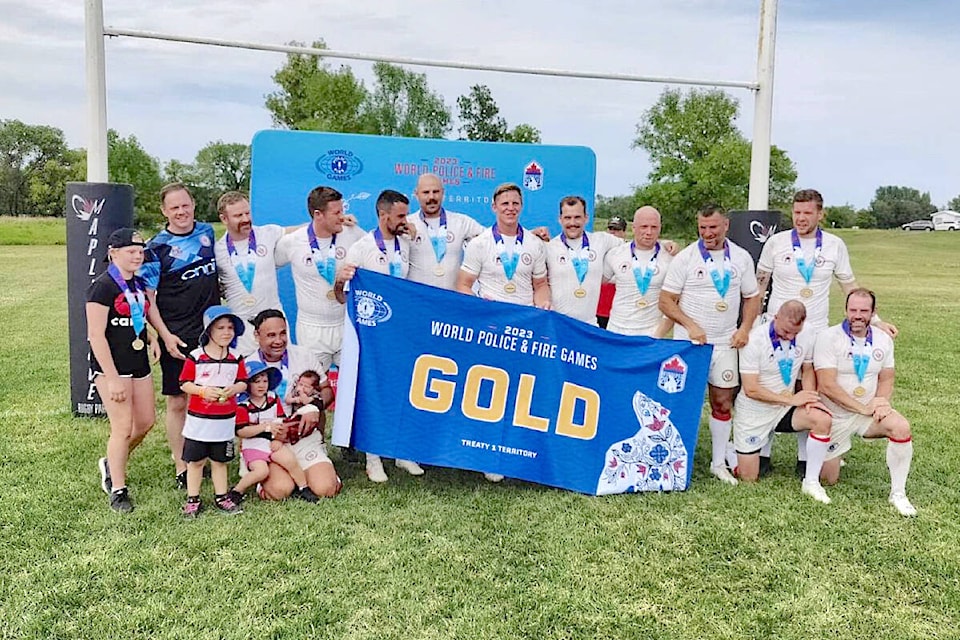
{"x": 946, "y": 221}
{"x": 918, "y": 225}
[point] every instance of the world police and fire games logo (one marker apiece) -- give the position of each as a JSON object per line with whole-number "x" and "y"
{"x": 533, "y": 176}
{"x": 339, "y": 164}
{"x": 371, "y": 309}
{"x": 653, "y": 459}
{"x": 673, "y": 374}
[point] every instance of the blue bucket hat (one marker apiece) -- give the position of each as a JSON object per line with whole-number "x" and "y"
{"x": 213, "y": 314}
{"x": 274, "y": 376}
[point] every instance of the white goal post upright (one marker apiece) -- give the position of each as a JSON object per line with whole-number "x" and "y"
{"x": 763, "y": 86}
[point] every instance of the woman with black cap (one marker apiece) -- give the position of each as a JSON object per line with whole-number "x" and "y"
{"x": 117, "y": 311}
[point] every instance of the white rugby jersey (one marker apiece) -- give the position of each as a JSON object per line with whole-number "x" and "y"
{"x": 834, "y": 350}
{"x": 264, "y": 294}
{"x": 365, "y": 254}
{"x": 626, "y": 314}
{"x": 423, "y": 260}
{"x": 563, "y": 277}
{"x": 482, "y": 259}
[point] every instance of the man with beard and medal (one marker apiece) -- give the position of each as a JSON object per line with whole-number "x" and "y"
{"x": 777, "y": 355}
{"x": 436, "y": 254}
{"x": 246, "y": 265}
{"x": 855, "y": 374}
{"x": 701, "y": 293}
{"x": 180, "y": 273}
{"x": 384, "y": 250}
{"x": 803, "y": 262}
{"x": 315, "y": 253}
{"x": 637, "y": 270}
{"x": 575, "y": 262}
{"x": 506, "y": 261}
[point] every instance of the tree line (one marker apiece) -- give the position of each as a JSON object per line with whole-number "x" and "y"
{"x": 697, "y": 153}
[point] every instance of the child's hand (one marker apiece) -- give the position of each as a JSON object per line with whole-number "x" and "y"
{"x": 211, "y": 394}
{"x": 275, "y": 445}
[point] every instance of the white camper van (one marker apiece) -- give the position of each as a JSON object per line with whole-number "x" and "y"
{"x": 946, "y": 221}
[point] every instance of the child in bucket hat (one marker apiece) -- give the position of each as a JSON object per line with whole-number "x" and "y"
{"x": 214, "y": 313}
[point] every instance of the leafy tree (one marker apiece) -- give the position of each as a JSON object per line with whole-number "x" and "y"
{"x": 608, "y": 206}
{"x": 892, "y": 206}
{"x": 480, "y": 119}
{"x": 954, "y": 205}
{"x": 698, "y": 155}
{"x": 840, "y": 216}
{"x": 524, "y": 133}
{"x": 48, "y": 185}
{"x": 26, "y": 154}
{"x": 127, "y": 162}
{"x": 315, "y": 97}
{"x": 402, "y": 104}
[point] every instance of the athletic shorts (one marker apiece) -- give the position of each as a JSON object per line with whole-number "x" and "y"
{"x": 750, "y": 436}
{"x": 311, "y": 450}
{"x": 139, "y": 374}
{"x": 842, "y": 432}
{"x": 197, "y": 450}
{"x": 171, "y": 367}
{"x": 324, "y": 341}
{"x": 724, "y": 368}
{"x": 613, "y": 327}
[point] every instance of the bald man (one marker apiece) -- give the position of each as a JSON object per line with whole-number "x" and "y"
{"x": 436, "y": 254}
{"x": 637, "y": 270}
{"x": 776, "y": 355}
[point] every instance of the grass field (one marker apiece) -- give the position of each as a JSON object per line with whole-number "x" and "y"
{"x": 451, "y": 556}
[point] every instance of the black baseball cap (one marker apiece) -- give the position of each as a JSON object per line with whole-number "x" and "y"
{"x": 125, "y": 237}
{"x": 617, "y": 224}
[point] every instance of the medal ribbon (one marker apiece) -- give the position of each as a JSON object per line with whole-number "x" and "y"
{"x": 860, "y": 354}
{"x": 326, "y": 268}
{"x": 783, "y": 356}
{"x": 508, "y": 260}
{"x": 396, "y": 261}
{"x": 580, "y": 258}
{"x": 438, "y": 237}
{"x": 806, "y": 270}
{"x": 248, "y": 270}
{"x": 720, "y": 283}
{"x": 135, "y": 298}
{"x": 284, "y": 369}
{"x": 643, "y": 275}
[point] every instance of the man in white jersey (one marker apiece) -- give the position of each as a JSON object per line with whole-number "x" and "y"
{"x": 315, "y": 253}
{"x": 436, "y": 254}
{"x": 777, "y": 354}
{"x": 803, "y": 262}
{"x": 385, "y": 250}
{"x": 702, "y": 293}
{"x": 855, "y": 372}
{"x": 637, "y": 269}
{"x": 507, "y": 262}
{"x": 245, "y": 264}
{"x": 575, "y": 262}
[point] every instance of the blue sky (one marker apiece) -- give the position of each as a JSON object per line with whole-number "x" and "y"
{"x": 865, "y": 92}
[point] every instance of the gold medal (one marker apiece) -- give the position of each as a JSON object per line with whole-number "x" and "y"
{"x": 510, "y": 287}
{"x": 806, "y": 292}
{"x": 859, "y": 392}
{"x": 137, "y": 344}
{"x": 438, "y": 270}
{"x": 642, "y": 303}
{"x": 250, "y": 300}
{"x": 331, "y": 295}
{"x": 580, "y": 293}
{"x": 722, "y": 306}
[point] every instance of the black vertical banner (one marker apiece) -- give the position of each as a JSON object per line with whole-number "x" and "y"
{"x": 93, "y": 210}
{"x": 751, "y": 230}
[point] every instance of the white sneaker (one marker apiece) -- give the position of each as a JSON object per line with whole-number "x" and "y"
{"x": 375, "y": 469}
{"x": 899, "y": 500}
{"x": 723, "y": 474}
{"x": 410, "y": 467}
{"x": 493, "y": 477}
{"x": 815, "y": 490}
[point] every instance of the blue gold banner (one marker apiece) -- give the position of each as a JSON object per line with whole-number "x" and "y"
{"x": 451, "y": 380}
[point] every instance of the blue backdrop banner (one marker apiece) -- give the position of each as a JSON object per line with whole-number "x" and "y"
{"x": 452, "y": 380}
{"x": 287, "y": 165}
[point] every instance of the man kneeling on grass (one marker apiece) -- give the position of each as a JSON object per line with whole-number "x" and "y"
{"x": 854, "y": 366}
{"x": 776, "y": 354}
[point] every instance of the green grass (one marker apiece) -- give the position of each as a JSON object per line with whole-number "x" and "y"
{"x": 451, "y": 556}
{"x": 25, "y": 230}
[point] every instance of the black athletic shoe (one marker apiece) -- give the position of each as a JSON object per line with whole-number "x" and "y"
{"x": 766, "y": 466}
{"x": 182, "y": 481}
{"x": 106, "y": 482}
{"x": 226, "y": 505}
{"x": 192, "y": 508}
{"x": 306, "y": 494}
{"x": 801, "y": 469}
{"x": 235, "y": 495}
{"x": 120, "y": 501}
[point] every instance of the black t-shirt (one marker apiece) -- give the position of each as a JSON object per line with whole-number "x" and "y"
{"x": 120, "y": 333}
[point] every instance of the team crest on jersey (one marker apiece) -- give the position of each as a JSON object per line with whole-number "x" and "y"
{"x": 449, "y": 236}
{"x": 788, "y": 259}
{"x": 878, "y": 354}
{"x": 592, "y": 255}
{"x": 371, "y": 308}
{"x": 382, "y": 259}
{"x": 308, "y": 260}
{"x": 526, "y": 259}
{"x": 341, "y": 253}
{"x": 624, "y": 267}
{"x": 673, "y": 374}
{"x": 533, "y": 177}
{"x": 205, "y": 241}
{"x": 820, "y": 261}
{"x": 699, "y": 274}
{"x": 261, "y": 251}
{"x": 562, "y": 259}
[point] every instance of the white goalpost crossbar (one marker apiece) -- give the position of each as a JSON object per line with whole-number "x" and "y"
{"x": 762, "y": 86}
